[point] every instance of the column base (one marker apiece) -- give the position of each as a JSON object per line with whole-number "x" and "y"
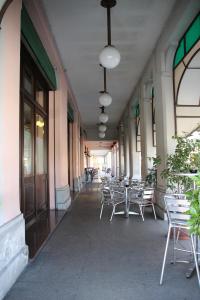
{"x": 160, "y": 205}
{"x": 78, "y": 183}
{"x": 13, "y": 254}
{"x": 63, "y": 198}
{"x": 77, "y": 186}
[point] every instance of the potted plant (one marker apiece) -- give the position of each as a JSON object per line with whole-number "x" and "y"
{"x": 195, "y": 161}
{"x": 185, "y": 158}
{"x": 194, "y": 211}
{"x": 151, "y": 178}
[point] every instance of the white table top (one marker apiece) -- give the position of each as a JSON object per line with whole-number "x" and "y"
{"x": 186, "y": 174}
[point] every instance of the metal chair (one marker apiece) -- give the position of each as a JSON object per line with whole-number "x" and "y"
{"x": 176, "y": 211}
{"x": 143, "y": 199}
{"x": 112, "y": 197}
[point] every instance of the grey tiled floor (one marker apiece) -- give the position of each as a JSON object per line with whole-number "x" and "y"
{"x": 88, "y": 259}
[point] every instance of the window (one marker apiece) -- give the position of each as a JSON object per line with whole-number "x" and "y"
{"x": 186, "y": 74}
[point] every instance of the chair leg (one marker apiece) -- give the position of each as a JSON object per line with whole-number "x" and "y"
{"x": 141, "y": 212}
{"x": 174, "y": 243}
{"x": 154, "y": 212}
{"x": 178, "y": 234}
{"x": 102, "y": 205}
{"x": 195, "y": 259}
{"x": 165, "y": 255}
{"x": 113, "y": 211}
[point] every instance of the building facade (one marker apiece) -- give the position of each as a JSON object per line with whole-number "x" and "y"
{"x": 42, "y": 148}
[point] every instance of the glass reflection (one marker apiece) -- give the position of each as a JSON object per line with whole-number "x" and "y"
{"x": 40, "y": 145}
{"x": 28, "y": 141}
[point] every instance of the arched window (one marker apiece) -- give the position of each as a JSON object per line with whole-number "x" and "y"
{"x": 186, "y": 70}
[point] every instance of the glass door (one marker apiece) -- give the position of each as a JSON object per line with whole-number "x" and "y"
{"x": 41, "y": 164}
{"x": 34, "y": 146}
{"x": 28, "y": 203}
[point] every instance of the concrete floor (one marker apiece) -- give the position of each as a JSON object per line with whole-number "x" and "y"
{"x": 88, "y": 259}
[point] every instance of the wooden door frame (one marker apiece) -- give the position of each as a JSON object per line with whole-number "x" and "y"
{"x": 27, "y": 62}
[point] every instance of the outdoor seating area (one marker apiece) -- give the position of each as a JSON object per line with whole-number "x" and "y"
{"x": 130, "y": 193}
{"x": 100, "y": 150}
{"x": 126, "y": 193}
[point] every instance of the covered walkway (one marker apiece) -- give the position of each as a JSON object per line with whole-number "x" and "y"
{"x": 97, "y": 260}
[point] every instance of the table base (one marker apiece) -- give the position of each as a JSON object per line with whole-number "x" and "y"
{"x": 126, "y": 214}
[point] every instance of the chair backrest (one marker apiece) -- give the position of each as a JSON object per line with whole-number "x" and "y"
{"x": 118, "y": 195}
{"x": 117, "y": 188}
{"x": 135, "y": 192}
{"x": 106, "y": 195}
{"x": 176, "y": 208}
{"x": 148, "y": 194}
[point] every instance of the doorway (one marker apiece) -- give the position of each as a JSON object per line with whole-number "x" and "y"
{"x": 34, "y": 141}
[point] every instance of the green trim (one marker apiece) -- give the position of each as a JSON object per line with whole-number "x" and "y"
{"x": 192, "y": 35}
{"x": 137, "y": 110}
{"x": 189, "y": 39}
{"x": 70, "y": 113}
{"x": 152, "y": 92}
{"x": 180, "y": 53}
{"x": 32, "y": 39}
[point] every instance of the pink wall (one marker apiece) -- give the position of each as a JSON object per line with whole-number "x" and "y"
{"x": 40, "y": 22}
{"x": 9, "y": 112}
{"x": 51, "y": 151}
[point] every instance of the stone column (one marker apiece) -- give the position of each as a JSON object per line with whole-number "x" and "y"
{"x": 126, "y": 143}
{"x": 131, "y": 139}
{"x": 147, "y": 148}
{"x": 164, "y": 117}
{"x": 117, "y": 159}
{"x": 13, "y": 249}
{"x": 135, "y": 156}
{"x": 63, "y": 198}
{"x": 121, "y": 148}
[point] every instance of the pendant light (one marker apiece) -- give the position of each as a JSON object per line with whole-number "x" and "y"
{"x": 105, "y": 99}
{"x": 103, "y": 117}
{"x": 101, "y": 135}
{"x": 102, "y": 128}
{"x": 109, "y": 56}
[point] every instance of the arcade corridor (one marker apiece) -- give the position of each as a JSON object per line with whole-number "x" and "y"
{"x": 90, "y": 259}
{"x": 96, "y": 87}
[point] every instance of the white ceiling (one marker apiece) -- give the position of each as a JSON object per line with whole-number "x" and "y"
{"x": 79, "y": 29}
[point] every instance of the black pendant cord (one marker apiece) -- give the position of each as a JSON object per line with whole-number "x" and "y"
{"x": 104, "y": 77}
{"x": 108, "y": 4}
{"x": 109, "y": 26}
{"x": 102, "y": 109}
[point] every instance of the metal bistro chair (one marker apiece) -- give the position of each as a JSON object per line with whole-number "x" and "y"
{"x": 143, "y": 199}
{"x": 176, "y": 211}
{"x": 111, "y": 197}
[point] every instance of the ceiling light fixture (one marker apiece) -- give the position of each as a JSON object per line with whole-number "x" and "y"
{"x": 109, "y": 56}
{"x": 102, "y": 128}
{"x": 105, "y": 99}
{"x": 101, "y": 135}
{"x": 103, "y": 117}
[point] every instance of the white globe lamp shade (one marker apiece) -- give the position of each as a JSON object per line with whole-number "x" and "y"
{"x": 109, "y": 57}
{"x": 103, "y": 118}
{"x": 101, "y": 135}
{"x": 105, "y": 99}
{"x": 102, "y": 128}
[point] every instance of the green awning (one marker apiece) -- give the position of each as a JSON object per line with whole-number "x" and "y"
{"x": 35, "y": 45}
